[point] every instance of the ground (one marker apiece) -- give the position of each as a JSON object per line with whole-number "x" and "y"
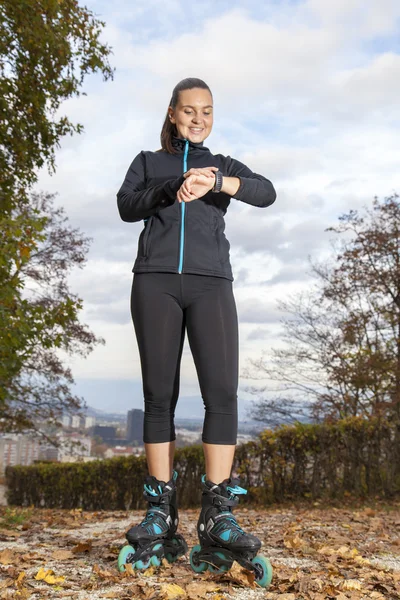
{"x": 317, "y": 553}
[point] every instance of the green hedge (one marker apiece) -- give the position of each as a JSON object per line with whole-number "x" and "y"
{"x": 354, "y": 457}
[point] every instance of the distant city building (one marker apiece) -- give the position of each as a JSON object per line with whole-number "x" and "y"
{"x": 66, "y": 420}
{"x": 105, "y": 432}
{"x": 118, "y": 451}
{"x": 122, "y": 451}
{"x": 48, "y": 452}
{"x": 134, "y": 426}
{"x": 90, "y": 422}
{"x": 74, "y": 447}
{"x": 18, "y": 449}
{"x": 75, "y": 421}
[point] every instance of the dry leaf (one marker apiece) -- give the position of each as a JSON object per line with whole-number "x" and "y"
{"x": 62, "y": 554}
{"x": 352, "y": 584}
{"x": 7, "y": 557}
{"x": 6, "y": 583}
{"x": 48, "y": 576}
{"x": 21, "y": 577}
{"x": 170, "y": 591}
{"x": 82, "y": 547}
{"x": 198, "y": 590}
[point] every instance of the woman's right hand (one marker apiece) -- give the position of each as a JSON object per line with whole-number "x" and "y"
{"x": 196, "y": 185}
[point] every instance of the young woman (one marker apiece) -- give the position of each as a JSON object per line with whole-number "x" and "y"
{"x": 183, "y": 282}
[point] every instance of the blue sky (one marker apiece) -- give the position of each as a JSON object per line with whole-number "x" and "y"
{"x": 305, "y": 93}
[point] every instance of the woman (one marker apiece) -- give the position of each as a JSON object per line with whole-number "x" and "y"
{"x": 183, "y": 282}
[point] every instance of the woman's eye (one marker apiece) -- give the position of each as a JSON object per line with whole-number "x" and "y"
{"x": 188, "y": 112}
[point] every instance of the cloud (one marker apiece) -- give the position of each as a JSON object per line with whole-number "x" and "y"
{"x": 259, "y": 334}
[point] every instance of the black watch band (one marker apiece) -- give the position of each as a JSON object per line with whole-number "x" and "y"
{"x": 219, "y": 178}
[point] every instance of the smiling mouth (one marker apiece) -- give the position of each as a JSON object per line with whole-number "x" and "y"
{"x": 195, "y": 130}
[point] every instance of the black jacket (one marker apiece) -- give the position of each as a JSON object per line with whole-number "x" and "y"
{"x": 184, "y": 237}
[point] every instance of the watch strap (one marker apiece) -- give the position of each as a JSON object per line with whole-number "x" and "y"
{"x": 219, "y": 178}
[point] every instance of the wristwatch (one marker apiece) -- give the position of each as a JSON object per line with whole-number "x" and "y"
{"x": 219, "y": 178}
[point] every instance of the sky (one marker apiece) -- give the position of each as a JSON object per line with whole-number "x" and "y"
{"x": 305, "y": 93}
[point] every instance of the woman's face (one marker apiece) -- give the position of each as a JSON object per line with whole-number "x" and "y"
{"x": 193, "y": 115}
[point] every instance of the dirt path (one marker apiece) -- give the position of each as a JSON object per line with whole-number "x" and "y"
{"x": 317, "y": 554}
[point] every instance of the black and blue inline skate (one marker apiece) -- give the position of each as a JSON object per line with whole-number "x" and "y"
{"x": 221, "y": 539}
{"x": 155, "y": 537}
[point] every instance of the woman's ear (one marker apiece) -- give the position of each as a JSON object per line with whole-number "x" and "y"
{"x": 171, "y": 115}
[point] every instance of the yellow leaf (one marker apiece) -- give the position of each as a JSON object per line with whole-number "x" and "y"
{"x": 41, "y": 574}
{"x": 352, "y": 584}
{"x": 52, "y": 580}
{"x": 129, "y": 569}
{"x": 172, "y": 591}
{"x": 21, "y": 576}
{"x": 48, "y": 576}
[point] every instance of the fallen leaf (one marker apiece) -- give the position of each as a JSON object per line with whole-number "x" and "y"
{"x": 352, "y": 584}
{"x": 7, "y": 557}
{"x": 48, "y": 576}
{"x": 82, "y": 547}
{"x": 21, "y": 577}
{"x": 198, "y": 590}
{"x": 62, "y": 554}
{"x": 170, "y": 591}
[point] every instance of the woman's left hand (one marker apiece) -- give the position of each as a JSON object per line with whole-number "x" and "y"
{"x": 195, "y": 185}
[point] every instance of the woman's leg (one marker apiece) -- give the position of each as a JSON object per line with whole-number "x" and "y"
{"x": 160, "y": 331}
{"x": 212, "y": 327}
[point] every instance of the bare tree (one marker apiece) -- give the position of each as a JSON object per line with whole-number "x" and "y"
{"x": 342, "y": 352}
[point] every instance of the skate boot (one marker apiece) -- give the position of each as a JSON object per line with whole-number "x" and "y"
{"x": 155, "y": 537}
{"x": 221, "y": 539}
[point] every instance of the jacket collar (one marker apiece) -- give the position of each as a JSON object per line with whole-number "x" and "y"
{"x": 179, "y": 144}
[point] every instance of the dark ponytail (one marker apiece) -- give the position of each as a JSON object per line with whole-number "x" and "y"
{"x": 169, "y": 130}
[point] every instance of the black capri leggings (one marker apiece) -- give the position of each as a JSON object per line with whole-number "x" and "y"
{"x": 163, "y": 305}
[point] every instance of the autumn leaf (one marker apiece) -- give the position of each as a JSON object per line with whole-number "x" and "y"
{"x": 82, "y": 547}
{"x": 7, "y": 557}
{"x": 48, "y": 576}
{"x": 170, "y": 591}
{"x": 62, "y": 554}
{"x": 352, "y": 585}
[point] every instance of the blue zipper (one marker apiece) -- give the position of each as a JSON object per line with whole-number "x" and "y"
{"x": 183, "y": 207}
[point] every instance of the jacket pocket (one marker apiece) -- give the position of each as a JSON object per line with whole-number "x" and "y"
{"x": 146, "y": 237}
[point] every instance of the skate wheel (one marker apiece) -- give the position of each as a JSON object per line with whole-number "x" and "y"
{"x": 176, "y": 541}
{"x": 263, "y": 572}
{"x": 141, "y": 565}
{"x": 222, "y": 568}
{"x": 123, "y": 557}
{"x": 171, "y": 557}
{"x": 156, "y": 560}
{"x": 197, "y": 566}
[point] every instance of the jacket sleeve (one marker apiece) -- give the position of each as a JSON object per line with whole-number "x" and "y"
{"x": 136, "y": 201}
{"x": 254, "y": 189}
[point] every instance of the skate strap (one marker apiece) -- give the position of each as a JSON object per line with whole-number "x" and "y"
{"x": 236, "y": 490}
{"x": 151, "y": 491}
{"x": 223, "y": 501}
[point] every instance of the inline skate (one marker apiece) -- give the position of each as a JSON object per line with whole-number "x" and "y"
{"x": 155, "y": 537}
{"x": 221, "y": 539}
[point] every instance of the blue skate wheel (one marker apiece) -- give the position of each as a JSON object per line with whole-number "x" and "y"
{"x": 155, "y": 560}
{"x": 197, "y": 566}
{"x": 123, "y": 557}
{"x": 174, "y": 557}
{"x": 140, "y": 564}
{"x": 222, "y": 568}
{"x": 263, "y": 574}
